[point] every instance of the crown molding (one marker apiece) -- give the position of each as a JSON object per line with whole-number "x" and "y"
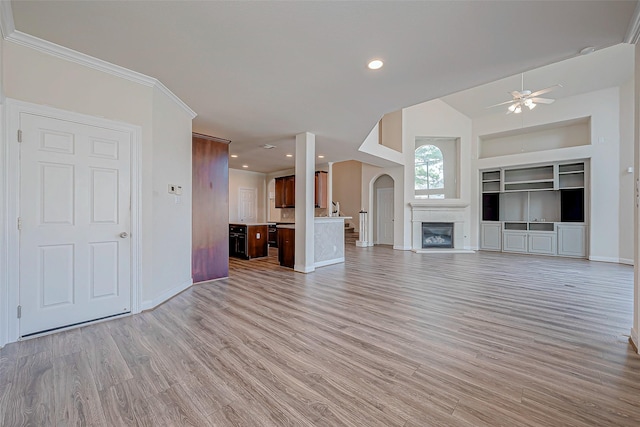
{"x": 6, "y": 18}
{"x": 633, "y": 30}
{"x": 210, "y": 138}
{"x": 12, "y": 35}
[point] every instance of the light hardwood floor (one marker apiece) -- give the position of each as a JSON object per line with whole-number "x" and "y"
{"x": 390, "y": 338}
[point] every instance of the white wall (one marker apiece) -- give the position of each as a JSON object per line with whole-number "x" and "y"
{"x": 626, "y": 178}
{"x": 603, "y": 107}
{"x": 247, "y": 179}
{"x": 171, "y": 226}
{"x": 435, "y": 119}
{"x": 39, "y": 78}
{"x": 635, "y": 328}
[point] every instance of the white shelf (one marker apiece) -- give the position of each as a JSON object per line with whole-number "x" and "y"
{"x": 528, "y": 181}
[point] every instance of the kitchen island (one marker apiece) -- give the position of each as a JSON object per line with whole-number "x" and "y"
{"x": 248, "y": 239}
{"x": 328, "y": 241}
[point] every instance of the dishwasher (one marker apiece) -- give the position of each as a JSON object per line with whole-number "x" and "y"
{"x": 238, "y": 241}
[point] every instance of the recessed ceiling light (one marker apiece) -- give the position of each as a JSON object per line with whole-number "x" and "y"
{"x": 376, "y": 64}
{"x": 234, "y": 155}
{"x": 245, "y": 166}
{"x": 289, "y": 155}
{"x": 321, "y": 156}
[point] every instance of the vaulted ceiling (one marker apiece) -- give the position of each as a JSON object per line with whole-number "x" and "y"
{"x": 261, "y": 72}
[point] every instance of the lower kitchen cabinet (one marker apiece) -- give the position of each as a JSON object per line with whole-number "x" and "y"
{"x": 286, "y": 246}
{"x": 248, "y": 241}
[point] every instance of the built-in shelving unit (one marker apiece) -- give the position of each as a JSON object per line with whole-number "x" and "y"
{"x": 535, "y": 209}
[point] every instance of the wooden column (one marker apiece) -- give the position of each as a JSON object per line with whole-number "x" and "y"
{"x": 210, "y": 229}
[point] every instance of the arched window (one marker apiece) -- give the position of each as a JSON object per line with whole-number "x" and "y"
{"x": 429, "y": 174}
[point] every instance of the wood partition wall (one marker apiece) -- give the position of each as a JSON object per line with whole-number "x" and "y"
{"x": 210, "y": 254}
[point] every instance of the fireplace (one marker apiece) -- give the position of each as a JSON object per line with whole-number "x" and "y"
{"x": 437, "y": 235}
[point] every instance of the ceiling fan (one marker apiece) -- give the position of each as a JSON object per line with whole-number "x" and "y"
{"x": 525, "y": 98}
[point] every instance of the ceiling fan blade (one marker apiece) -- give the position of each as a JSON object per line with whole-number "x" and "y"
{"x": 543, "y": 100}
{"x": 516, "y": 94}
{"x": 543, "y": 91}
{"x": 502, "y": 103}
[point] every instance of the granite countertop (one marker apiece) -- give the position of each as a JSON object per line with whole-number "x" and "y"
{"x": 281, "y": 225}
{"x": 248, "y": 223}
{"x": 333, "y": 217}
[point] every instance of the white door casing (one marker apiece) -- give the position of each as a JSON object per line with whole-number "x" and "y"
{"x": 248, "y": 204}
{"x": 75, "y": 190}
{"x": 384, "y": 215}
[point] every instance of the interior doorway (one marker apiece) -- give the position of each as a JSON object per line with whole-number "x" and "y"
{"x": 384, "y": 210}
{"x": 74, "y": 254}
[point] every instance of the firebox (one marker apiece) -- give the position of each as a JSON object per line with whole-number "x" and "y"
{"x": 437, "y": 235}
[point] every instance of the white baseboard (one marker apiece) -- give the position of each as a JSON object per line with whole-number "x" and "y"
{"x": 166, "y": 295}
{"x": 635, "y": 338}
{"x": 604, "y": 259}
{"x": 304, "y": 269}
{"x": 402, "y": 248}
{"x": 361, "y": 244}
{"x": 329, "y": 262}
{"x": 611, "y": 259}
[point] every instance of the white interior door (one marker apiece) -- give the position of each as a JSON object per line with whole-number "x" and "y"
{"x": 75, "y": 250}
{"x": 384, "y": 211}
{"x": 248, "y": 204}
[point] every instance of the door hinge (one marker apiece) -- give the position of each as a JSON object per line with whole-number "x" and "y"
{"x": 19, "y": 223}
{"x": 19, "y": 135}
{"x": 19, "y": 311}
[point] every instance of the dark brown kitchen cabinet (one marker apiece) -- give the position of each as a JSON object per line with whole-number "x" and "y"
{"x": 321, "y": 190}
{"x": 286, "y": 246}
{"x": 285, "y": 196}
{"x": 248, "y": 241}
{"x": 286, "y": 192}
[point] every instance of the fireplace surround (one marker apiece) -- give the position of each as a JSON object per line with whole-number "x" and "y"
{"x": 455, "y": 213}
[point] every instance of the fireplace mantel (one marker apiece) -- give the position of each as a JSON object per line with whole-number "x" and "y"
{"x": 454, "y": 211}
{"x": 438, "y": 204}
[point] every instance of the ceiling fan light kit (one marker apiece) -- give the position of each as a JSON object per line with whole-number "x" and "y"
{"x": 526, "y": 98}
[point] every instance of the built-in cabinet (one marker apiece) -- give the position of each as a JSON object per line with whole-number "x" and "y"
{"x": 538, "y": 209}
{"x": 285, "y": 191}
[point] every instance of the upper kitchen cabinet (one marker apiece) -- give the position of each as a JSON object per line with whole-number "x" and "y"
{"x": 321, "y": 190}
{"x": 286, "y": 192}
{"x": 285, "y": 196}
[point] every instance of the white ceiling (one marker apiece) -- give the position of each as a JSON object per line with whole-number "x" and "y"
{"x": 262, "y": 72}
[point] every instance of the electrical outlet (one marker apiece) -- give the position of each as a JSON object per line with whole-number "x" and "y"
{"x": 172, "y": 189}
{"x": 257, "y": 235}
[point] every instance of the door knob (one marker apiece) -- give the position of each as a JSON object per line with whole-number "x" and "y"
{"x": 123, "y": 235}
